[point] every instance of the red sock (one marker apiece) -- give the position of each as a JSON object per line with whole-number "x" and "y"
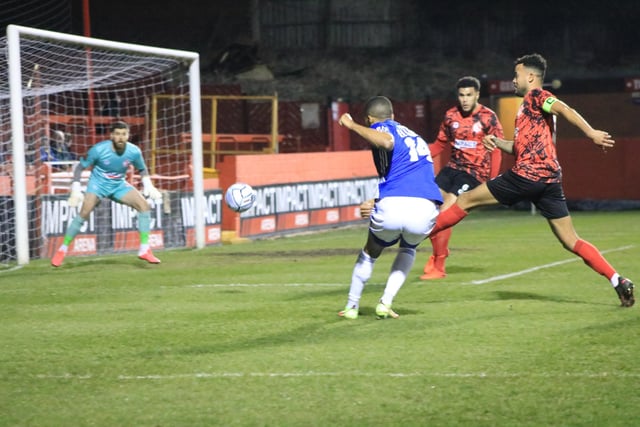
{"x": 593, "y": 258}
{"x": 440, "y": 242}
{"x": 448, "y": 218}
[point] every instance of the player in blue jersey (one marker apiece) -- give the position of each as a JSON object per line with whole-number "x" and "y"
{"x": 407, "y": 205}
{"x": 110, "y": 160}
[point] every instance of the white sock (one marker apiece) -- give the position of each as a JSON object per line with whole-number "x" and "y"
{"x": 361, "y": 273}
{"x": 614, "y": 279}
{"x": 63, "y": 248}
{"x": 143, "y": 248}
{"x": 399, "y": 271}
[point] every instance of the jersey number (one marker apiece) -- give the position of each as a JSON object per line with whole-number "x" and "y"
{"x": 418, "y": 147}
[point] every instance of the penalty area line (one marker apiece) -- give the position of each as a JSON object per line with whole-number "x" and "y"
{"x": 539, "y": 267}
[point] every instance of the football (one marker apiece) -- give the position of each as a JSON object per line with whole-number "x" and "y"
{"x": 240, "y": 197}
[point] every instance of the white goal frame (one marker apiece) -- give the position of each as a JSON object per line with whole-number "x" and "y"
{"x": 14, "y": 34}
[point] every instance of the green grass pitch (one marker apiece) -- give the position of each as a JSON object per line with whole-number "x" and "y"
{"x": 520, "y": 333}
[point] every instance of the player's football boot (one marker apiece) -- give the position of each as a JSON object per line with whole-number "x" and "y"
{"x": 57, "y": 259}
{"x": 350, "y": 313}
{"x": 436, "y": 270}
{"x": 383, "y": 311}
{"x": 625, "y": 292}
{"x": 149, "y": 257}
{"x": 433, "y": 274}
{"x": 428, "y": 267}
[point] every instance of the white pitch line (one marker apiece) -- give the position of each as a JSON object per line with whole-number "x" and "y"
{"x": 389, "y": 374}
{"x": 307, "y": 374}
{"x": 10, "y": 269}
{"x": 259, "y": 285}
{"x": 540, "y": 267}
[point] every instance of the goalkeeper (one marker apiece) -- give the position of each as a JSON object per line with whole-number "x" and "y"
{"x": 110, "y": 160}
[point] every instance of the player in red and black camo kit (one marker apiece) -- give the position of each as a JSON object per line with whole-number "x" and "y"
{"x": 470, "y": 164}
{"x": 536, "y": 175}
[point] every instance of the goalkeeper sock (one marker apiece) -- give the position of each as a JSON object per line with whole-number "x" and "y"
{"x": 73, "y": 230}
{"x": 144, "y": 225}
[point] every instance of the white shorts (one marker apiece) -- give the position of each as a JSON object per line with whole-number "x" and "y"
{"x": 408, "y": 218}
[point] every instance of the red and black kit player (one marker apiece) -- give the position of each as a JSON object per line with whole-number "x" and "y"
{"x": 536, "y": 175}
{"x": 470, "y": 164}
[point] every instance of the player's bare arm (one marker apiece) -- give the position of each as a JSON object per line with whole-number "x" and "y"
{"x": 599, "y": 137}
{"x": 491, "y": 142}
{"x": 379, "y": 139}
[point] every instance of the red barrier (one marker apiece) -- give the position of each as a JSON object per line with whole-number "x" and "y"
{"x": 293, "y": 168}
{"x": 591, "y": 173}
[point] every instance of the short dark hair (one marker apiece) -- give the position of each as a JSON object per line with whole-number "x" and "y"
{"x": 379, "y": 107}
{"x": 119, "y": 125}
{"x": 535, "y": 61}
{"x": 468, "y": 81}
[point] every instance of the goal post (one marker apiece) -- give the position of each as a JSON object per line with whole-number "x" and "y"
{"x": 54, "y": 79}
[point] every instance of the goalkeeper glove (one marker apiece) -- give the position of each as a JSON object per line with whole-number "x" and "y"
{"x": 149, "y": 190}
{"x": 76, "y": 197}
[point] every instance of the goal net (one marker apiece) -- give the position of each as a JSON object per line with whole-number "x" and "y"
{"x": 59, "y": 94}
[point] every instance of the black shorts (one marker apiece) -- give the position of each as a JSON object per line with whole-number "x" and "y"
{"x": 455, "y": 181}
{"x": 510, "y": 188}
